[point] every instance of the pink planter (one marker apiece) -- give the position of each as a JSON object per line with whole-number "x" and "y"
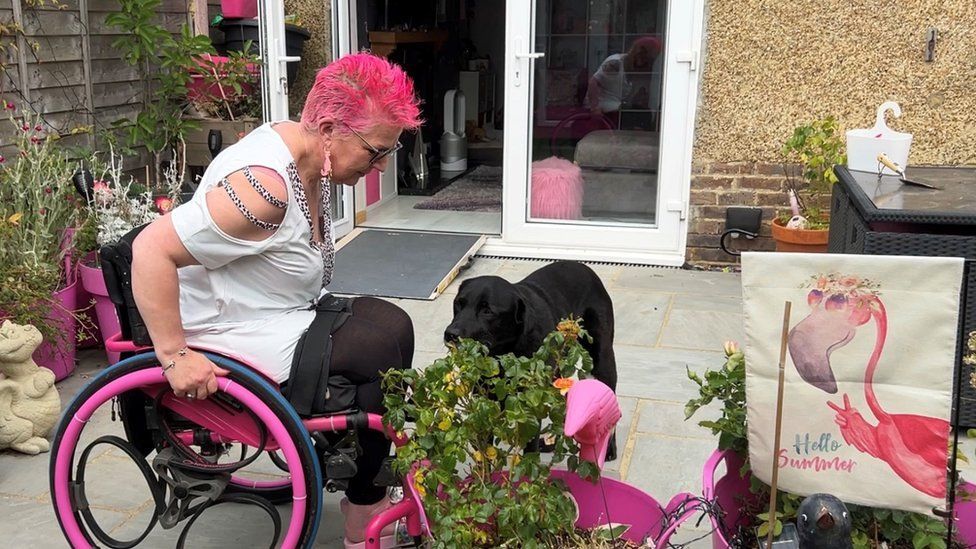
{"x": 730, "y": 491}
{"x": 59, "y": 355}
{"x": 199, "y": 88}
{"x": 732, "y": 494}
{"x": 90, "y": 336}
{"x": 239, "y": 9}
{"x": 965, "y": 513}
{"x": 108, "y": 318}
{"x": 644, "y": 517}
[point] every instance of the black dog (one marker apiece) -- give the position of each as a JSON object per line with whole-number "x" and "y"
{"x": 515, "y": 318}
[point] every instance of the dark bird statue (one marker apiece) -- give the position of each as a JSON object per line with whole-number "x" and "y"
{"x": 823, "y": 523}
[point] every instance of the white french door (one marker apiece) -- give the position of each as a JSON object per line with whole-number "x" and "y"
{"x": 611, "y": 87}
{"x": 274, "y": 90}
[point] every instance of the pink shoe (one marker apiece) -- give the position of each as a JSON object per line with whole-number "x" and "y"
{"x": 393, "y": 535}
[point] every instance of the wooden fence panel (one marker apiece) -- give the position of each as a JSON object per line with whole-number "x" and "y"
{"x": 70, "y": 71}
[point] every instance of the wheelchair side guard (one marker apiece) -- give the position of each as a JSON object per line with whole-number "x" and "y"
{"x": 134, "y": 409}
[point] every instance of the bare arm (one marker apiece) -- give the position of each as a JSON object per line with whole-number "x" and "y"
{"x": 157, "y": 254}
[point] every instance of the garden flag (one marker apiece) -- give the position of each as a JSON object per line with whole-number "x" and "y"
{"x": 869, "y": 371}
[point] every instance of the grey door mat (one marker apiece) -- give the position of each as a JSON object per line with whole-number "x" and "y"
{"x": 414, "y": 265}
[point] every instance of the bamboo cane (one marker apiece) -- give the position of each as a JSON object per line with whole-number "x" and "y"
{"x": 784, "y": 336}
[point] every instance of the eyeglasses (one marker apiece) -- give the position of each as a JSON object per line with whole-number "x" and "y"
{"x": 378, "y": 154}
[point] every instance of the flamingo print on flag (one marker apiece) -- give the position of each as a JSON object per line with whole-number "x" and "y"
{"x": 872, "y": 346}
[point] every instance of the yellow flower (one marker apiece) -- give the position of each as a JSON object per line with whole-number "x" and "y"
{"x": 492, "y": 453}
{"x": 514, "y": 460}
{"x": 569, "y": 328}
{"x": 418, "y": 485}
{"x": 477, "y": 456}
{"x": 461, "y": 390}
{"x": 15, "y": 218}
{"x": 449, "y": 377}
{"x": 444, "y": 424}
{"x": 563, "y": 384}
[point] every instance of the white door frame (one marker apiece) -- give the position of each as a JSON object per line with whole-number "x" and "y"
{"x": 274, "y": 82}
{"x": 663, "y": 244}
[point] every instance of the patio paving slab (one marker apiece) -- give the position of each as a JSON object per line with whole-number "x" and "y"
{"x": 701, "y": 330}
{"x": 667, "y": 320}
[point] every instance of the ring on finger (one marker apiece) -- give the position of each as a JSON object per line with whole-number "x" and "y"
{"x": 189, "y": 395}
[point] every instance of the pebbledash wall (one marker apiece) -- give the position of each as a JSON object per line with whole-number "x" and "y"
{"x": 770, "y": 65}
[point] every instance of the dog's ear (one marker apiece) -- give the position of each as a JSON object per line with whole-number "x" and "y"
{"x": 519, "y": 310}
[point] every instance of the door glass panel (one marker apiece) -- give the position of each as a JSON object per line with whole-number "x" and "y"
{"x": 337, "y": 205}
{"x": 597, "y": 111}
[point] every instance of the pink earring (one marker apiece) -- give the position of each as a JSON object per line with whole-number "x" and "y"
{"x": 327, "y": 165}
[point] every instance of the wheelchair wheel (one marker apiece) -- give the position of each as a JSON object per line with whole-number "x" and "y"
{"x": 180, "y": 487}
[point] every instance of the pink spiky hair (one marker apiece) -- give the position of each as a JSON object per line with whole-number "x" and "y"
{"x": 362, "y": 91}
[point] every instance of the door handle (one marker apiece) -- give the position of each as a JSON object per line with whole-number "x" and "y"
{"x": 519, "y": 55}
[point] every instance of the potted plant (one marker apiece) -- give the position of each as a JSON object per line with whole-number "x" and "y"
{"x": 809, "y": 157}
{"x": 224, "y": 95}
{"x": 37, "y": 206}
{"x": 474, "y": 418}
{"x": 744, "y": 498}
{"x": 161, "y": 60}
{"x": 115, "y": 204}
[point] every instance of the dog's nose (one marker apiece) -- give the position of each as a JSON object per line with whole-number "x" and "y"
{"x": 451, "y": 335}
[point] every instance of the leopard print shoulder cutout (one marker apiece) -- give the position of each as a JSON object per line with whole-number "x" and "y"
{"x": 326, "y": 246}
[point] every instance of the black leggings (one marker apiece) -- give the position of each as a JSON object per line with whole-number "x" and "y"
{"x": 377, "y": 337}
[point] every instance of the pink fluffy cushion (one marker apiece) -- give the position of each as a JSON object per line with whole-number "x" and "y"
{"x": 557, "y": 189}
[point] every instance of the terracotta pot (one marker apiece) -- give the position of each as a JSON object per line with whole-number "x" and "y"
{"x": 799, "y": 240}
{"x": 108, "y": 318}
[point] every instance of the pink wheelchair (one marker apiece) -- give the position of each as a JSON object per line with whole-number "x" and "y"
{"x": 183, "y": 450}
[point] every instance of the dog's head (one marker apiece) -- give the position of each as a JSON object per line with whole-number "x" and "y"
{"x": 488, "y": 309}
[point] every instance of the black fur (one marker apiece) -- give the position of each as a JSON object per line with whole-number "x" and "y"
{"x": 515, "y": 318}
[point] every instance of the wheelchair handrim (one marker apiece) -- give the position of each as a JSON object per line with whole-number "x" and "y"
{"x": 70, "y": 430}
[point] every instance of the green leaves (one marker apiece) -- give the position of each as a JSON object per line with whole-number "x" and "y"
{"x": 817, "y": 146}
{"x": 473, "y": 416}
{"x": 163, "y": 62}
{"x": 726, "y": 385}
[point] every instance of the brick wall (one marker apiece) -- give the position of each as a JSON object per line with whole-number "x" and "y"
{"x": 715, "y": 187}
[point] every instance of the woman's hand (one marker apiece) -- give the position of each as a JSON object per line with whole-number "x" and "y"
{"x": 193, "y": 376}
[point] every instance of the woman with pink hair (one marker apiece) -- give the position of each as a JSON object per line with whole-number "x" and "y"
{"x": 610, "y": 86}
{"x": 241, "y": 268}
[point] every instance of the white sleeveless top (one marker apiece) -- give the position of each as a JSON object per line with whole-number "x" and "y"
{"x": 250, "y": 300}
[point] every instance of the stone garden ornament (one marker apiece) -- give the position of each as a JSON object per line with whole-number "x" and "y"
{"x": 29, "y": 403}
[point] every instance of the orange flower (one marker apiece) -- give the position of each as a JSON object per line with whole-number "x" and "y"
{"x": 563, "y": 384}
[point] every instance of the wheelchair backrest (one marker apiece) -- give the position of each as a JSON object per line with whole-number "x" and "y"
{"x": 117, "y": 271}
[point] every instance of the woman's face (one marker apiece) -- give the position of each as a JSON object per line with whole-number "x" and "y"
{"x": 351, "y": 153}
